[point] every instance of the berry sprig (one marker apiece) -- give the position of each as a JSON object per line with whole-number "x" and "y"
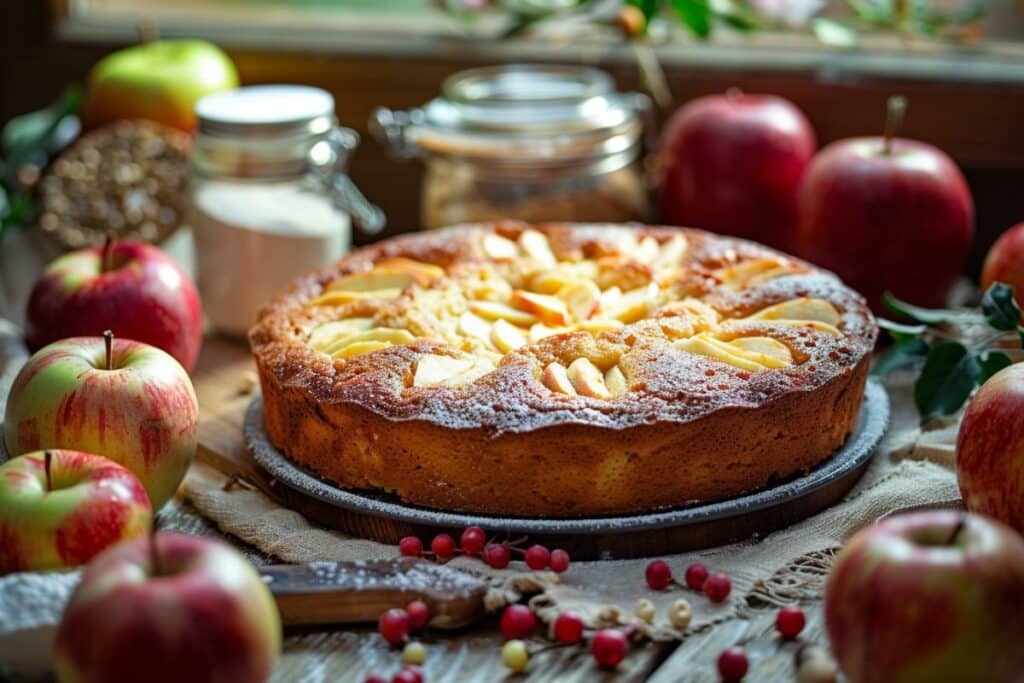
{"x": 396, "y": 625}
{"x": 473, "y": 542}
{"x": 733, "y": 662}
{"x": 715, "y": 585}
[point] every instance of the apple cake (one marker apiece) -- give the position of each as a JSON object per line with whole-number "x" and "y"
{"x": 562, "y": 370}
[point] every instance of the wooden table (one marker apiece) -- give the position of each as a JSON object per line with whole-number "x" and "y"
{"x": 224, "y": 383}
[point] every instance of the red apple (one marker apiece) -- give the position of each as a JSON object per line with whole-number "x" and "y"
{"x": 732, "y": 164}
{"x": 61, "y": 508}
{"x": 190, "y": 609}
{"x": 990, "y": 449}
{"x": 128, "y": 401}
{"x": 132, "y": 288}
{"x": 887, "y": 213}
{"x": 160, "y": 80}
{"x": 1005, "y": 261}
{"x": 928, "y": 596}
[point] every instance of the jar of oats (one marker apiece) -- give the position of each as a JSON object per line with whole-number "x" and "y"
{"x": 536, "y": 143}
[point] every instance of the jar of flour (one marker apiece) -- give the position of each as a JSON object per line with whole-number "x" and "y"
{"x": 270, "y": 199}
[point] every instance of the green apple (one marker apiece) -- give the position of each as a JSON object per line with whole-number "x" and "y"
{"x": 160, "y": 81}
{"x": 125, "y": 400}
{"x": 60, "y": 508}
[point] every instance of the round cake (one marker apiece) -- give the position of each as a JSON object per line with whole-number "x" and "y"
{"x": 563, "y": 370}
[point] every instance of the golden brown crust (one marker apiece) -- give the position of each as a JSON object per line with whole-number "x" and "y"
{"x": 690, "y": 428}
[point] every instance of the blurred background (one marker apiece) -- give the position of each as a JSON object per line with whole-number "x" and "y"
{"x": 960, "y": 64}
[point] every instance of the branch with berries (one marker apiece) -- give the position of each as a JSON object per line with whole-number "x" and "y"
{"x": 956, "y": 350}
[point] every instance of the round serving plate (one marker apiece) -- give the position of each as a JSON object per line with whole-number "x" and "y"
{"x": 385, "y": 518}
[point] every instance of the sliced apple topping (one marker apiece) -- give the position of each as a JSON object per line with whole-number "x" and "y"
{"x": 507, "y": 337}
{"x": 471, "y": 325}
{"x": 615, "y": 381}
{"x": 556, "y": 378}
{"x": 495, "y": 310}
{"x": 597, "y": 325}
{"x": 805, "y": 311}
{"x": 581, "y": 298}
{"x": 324, "y": 335}
{"x": 646, "y": 250}
{"x": 550, "y": 281}
{"x": 372, "y": 281}
{"x": 748, "y": 355}
{"x": 671, "y": 252}
{"x": 755, "y": 272}
{"x": 339, "y": 298}
{"x": 436, "y": 370}
{"x": 549, "y": 309}
{"x": 536, "y": 245}
{"x": 499, "y": 248}
{"x": 587, "y": 379}
{"x": 422, "y": 273}
{"x": 630, "y": 306}
{"x": 366, "y": 340}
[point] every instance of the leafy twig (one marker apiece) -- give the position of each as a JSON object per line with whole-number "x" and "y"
{"x": 953, "y": 366}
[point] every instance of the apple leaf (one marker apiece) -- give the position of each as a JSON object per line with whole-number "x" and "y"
{"x": 832, "y": 32}
{"x": 696, "y": 14}
{"x": 992, "y": 362}
{"x": 924, "y": 316}
{"x": 900, "y": 355}
{"x": 1000, "y": 309}
{"x": 901, "y": 332}
{"x": 949, "y": 375}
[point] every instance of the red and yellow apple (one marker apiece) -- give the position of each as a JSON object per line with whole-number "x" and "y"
{"x": 171, "y": 609}
{"x": 887, "y": 214}
{"x": 1005, "y": 261}
{"x": 990, "y": 449}
{"x": 134, "y": 404}
{"x": 60, "y": 508}
{"x": 132, "y": 288}
{"x": 928, "y": 596}
{"x": 732, "y": 164}
{"x": 160, "y": 81}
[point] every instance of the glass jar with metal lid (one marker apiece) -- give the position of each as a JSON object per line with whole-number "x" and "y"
{"x": 270, "y": 198}
{"x": 529, "y": 142}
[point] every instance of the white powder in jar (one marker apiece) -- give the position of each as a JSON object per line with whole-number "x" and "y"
{"x": 253, "y": 239}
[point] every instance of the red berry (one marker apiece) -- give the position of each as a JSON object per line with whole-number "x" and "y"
{"x": 473, "y": 540}
{"x": 375, "y": 679}
{"x": 443, "y": 546}
{"x": 408, "y": 674}
{"x": 658, "y": 575}
{"x": 394, "y": 626}
{"x": 410, "y": 546}
{"x": 559, "y": 561}
{"x": 568, "y": 628}
{"x": 696, "y": 575}
{"x": 419, "y": 613}
{"x": 733, "y": 664}
{"x": 790, "y": 621}
{"x": 538, "y": 557}
{"x": 496, "y": 556}
{"x": 609, "y": 647}
{"x": 517, "y": 622}
{"x": 717, "y": 587}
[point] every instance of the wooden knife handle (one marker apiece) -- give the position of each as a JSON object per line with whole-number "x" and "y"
{"x": 356, "y": 592}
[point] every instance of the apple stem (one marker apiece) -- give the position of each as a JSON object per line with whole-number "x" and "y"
{"x": 896, "y": 109}
{"x": 961, "y": 523}
{"x": 108, "y": 340}
{"x": 47, "y": 463}
{"x": 107, "y": 259}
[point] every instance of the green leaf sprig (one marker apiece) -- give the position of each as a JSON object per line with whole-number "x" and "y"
{"x": 952, "y": 365}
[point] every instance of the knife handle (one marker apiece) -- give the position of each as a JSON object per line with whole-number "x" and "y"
{"x": 358, "y": 592}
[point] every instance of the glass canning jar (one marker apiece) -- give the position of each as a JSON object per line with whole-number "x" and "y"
{"x": 527, "y": 142}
